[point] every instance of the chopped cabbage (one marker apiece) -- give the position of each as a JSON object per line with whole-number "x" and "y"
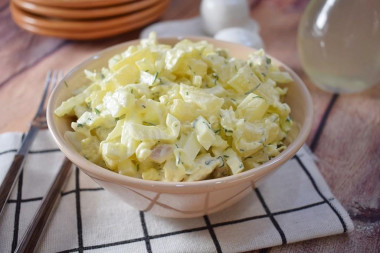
{"x": 180, "y": 113}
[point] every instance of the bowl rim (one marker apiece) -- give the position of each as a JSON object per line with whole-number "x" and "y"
{"x": 102, "y": 174}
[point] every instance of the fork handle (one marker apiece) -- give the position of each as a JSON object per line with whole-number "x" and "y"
{"x": 35, "y": 230}
{"x": 15, "y": 169}
{"x": 10, "y": 179}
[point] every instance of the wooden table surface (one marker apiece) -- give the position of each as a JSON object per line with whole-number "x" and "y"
{"x": 348, "y": 144}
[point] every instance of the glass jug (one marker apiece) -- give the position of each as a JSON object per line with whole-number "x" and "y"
{"x": 339, "y": 44}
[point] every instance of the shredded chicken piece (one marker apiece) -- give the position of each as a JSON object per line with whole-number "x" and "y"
{"x": 161, "y": 153}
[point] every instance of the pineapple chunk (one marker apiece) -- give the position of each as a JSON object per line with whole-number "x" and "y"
{"x": 172, "y": 172}
{"x": 67, "y": 107}
{"x": 126, "y": 75}
{"x": 209, "y": 103}
{"x": 244, "y": 81}
{"x": 119, "y": 102}
{"x": 205, "y": 135}
{"x": 233, "y": 161}
{"x": 252, "y": 108}
{"x": 151, "y": 174}
{"x": 89, "y": 148}
{"x": 127, "y": 168}
{"x": 179, "y": 106}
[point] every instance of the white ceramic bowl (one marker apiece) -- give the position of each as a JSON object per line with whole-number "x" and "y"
{"x": 183, "y": 199}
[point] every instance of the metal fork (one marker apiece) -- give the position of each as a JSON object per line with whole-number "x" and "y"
{"x": 36, "y": 228}
{"x": 38, "y": 122}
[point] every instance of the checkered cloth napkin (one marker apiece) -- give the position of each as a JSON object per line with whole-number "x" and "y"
{"x": 292, "y": 204}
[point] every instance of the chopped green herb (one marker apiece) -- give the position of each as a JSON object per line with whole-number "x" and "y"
{"x": 252, "y": 90}
{"x": 208, "y": 162}
{"x": 119, "y": 118}
{"x": 194, "y": 123}
{"x": 155, "y": 77}
{"x": 221, "y": 159}
{"x": 67, "y": 86}
{"x": 216, "y": 77}
{"x": 276, "y": 118}
{"x": 97, "y": 111}
{"x": 204, "y": 122}
{"x": 79, "y": 125}
{"x": 148, "y": 123}
{"x": 268, "y": 60}
{"x": 178, "y": 159}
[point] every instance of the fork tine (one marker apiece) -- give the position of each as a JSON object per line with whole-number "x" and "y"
{"x": 48, "y": 80}
{"x": 60, "y": 76}
{"x": 57, "y": 77}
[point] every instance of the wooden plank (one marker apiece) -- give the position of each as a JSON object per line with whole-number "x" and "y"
{"x": 23, "y": 90}
{"x": 24, "y": 49}
{"x": 20, "y": 49}
{"x": 348, "y": 149}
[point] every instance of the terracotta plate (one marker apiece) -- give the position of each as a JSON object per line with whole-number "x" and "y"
{"x": 84, "y": 34}
{"x": 90, "y": 13}
{"x": 86, "y": 25}
{"x": 80, "y": 3}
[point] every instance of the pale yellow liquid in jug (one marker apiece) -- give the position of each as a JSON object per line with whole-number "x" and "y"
{"x": 339, "y": 44}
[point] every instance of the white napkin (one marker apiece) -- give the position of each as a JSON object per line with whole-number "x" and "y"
{"x": 292, "y": 204}
{"x": 247, "y": 35}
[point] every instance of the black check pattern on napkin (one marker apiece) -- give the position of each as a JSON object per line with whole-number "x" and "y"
{"x": 90, "y": 219}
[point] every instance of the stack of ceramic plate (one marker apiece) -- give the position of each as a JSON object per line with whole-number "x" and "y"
{"x": 85, "y": 19}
